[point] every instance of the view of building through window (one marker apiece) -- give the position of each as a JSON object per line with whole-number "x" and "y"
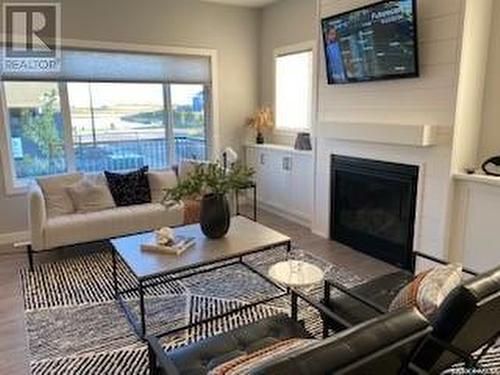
{"x": 36, "y": 128}
{"x": 188, "y": 121}
{"x": 117, "y": 125}
{"x": 113, "y": 126}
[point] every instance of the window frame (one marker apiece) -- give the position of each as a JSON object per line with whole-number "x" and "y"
{"x": 15, "y": 187}
{"x": 290, "y": 50}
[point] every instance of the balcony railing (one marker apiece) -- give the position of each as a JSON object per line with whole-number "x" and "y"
{"x": 113, "y": 155}
{"x": 132, "y": 154}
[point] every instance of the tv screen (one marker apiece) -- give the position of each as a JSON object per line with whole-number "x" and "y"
{"x": 375, "y": 42}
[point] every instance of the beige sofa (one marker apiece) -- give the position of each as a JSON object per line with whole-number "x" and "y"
{"x": 51, "y": 230}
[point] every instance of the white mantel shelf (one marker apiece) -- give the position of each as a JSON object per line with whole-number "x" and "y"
{"x": 395, "y": 134}
{"x": 277, "y": 147}
{"x": 479, "y": 178}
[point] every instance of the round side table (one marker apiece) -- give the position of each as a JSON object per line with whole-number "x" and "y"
{"x": 296, "y": 273}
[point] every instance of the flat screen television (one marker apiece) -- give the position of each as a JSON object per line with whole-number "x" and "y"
{"x": 375, "y": 42}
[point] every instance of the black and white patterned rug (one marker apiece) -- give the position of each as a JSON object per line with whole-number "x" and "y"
{"x": 74, "y": 325}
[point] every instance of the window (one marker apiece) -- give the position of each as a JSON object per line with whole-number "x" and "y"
{"x": 117, "y": 126}
{"x": 110, "y": 126}
{"x": 105, "y": 110}
{"x": 36, "y": 129}
{"x": 188, "y": 107}
{"x": 294, "y": 75}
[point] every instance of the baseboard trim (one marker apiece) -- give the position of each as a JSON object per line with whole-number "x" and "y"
{"x": 319, "y": 233}
{"x": 285, "y": 214}
{"x": 11, "y": 238}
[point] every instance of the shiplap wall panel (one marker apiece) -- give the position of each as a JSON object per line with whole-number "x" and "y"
{"x": 429, "y": 99}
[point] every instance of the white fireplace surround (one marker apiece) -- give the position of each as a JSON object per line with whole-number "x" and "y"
{"x": 395, "y": 134}
{"x": 434, "y": 184}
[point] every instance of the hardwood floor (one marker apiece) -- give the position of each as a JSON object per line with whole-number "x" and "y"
{"x": 13, "y": 357}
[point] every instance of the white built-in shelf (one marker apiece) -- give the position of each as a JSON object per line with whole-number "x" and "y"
{"x": 395, "y": 134}
{"x": 277, "y": 147}
{"x": 479, "y": 178}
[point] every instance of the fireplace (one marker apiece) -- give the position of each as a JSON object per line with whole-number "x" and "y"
{"x": 373, "y": 207}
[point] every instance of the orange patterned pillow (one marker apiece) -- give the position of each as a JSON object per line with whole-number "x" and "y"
{"x": 408, "y": 295}
{"x": 429, "y": 289}
{"x": 246, "y": 363}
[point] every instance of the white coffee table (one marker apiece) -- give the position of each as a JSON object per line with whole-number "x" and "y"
{"x": 293, "y": 274}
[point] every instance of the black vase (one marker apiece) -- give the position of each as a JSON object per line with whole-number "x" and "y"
{"x": 260, "y": 138}
{"x": 214, "y": 215}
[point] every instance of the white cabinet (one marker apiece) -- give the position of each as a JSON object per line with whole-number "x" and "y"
{"x": 474, "y": 239}
{"x": 284, "y": 179}
{"x": 301, "y": 185}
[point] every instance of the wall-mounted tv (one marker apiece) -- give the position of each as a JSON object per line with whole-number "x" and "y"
{"x": 376, "y": 42}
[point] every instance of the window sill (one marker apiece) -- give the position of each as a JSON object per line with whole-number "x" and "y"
{"x": 18, "y": 189}
{"x": 291, "y": 132}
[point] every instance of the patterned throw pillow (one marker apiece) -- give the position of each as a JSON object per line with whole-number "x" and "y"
{"x": 129, "y": 188}
{"x": 429, "y": 289}
{"x": 246, "y": 363}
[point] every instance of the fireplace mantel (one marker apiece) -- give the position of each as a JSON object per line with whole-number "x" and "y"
{"x": 402, "y": 135}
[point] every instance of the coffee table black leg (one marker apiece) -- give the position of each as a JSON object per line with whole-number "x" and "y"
{"x": 152, "y": 361}
{"x": 255, "y": 203}
{"x": 141, "y": 307}
{"x": 237, "y": 198}
{"x": 115, "y": 273}
{"x": 294, "y": 305}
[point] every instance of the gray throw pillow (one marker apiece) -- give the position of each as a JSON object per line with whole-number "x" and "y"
{"x": 90, "y": 197}
{"x": 55, "y": 193}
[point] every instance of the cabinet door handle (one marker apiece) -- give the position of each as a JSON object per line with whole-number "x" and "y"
{"x": 287, "y": 163}
{"x": 262, "y": 159}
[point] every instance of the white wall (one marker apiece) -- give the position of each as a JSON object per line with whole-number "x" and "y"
{"x": 428, "y": 100}
{"x": 471, "y": 85}
{"x": 283, "y": 23}
{"x": 490, "y": 140}
{"x": 233, "y": 31}
{"x": 477, "y": 198}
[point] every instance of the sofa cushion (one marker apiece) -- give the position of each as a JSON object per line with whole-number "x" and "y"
{"x": 203, "y": 356}
{"x": 159, "y": 181}
{"x": 129, "y": 188}
{"x": 90, "y": 197}
{"x": 93, "y": 226}
{"x": 55, "y": 191}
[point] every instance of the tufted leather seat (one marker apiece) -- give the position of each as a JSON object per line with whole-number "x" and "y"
{"x": 380, "y": 346}
{"x": 201, "y": 357}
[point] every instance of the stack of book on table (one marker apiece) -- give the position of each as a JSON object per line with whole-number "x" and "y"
{"x": 176, "y": 247}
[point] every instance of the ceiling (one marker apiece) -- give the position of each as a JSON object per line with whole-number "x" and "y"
{"x": 244, "y": 3}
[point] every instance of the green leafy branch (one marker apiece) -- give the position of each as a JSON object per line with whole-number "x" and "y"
{"x": 209, "y": 178}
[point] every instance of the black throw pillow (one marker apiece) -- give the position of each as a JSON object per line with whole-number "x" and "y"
{"x": 129, "y": 188}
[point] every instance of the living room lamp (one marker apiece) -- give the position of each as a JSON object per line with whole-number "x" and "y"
{"x": 229, "y": 157}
